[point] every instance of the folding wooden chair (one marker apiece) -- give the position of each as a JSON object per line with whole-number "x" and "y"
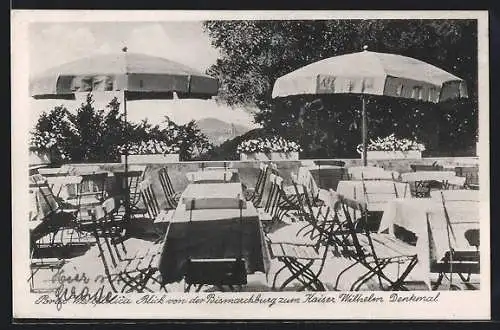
{"x": 376, "y": 251}
{"x": 219, "y": 272}
{"x": 463, "y": 255}
{"x": 255, "y": 194}
{"x": 124, "y": 273}
{"x": 305, "y": 259}
{"x": 161, "y": 215}
{"x": 61, "y": 222}
{"x": 171, "y": 196}
{"x": 129, "y": 191}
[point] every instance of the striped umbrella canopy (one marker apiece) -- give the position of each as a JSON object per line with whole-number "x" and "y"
{"x": 371, "y": 73}
{"x": 140, "y": 76}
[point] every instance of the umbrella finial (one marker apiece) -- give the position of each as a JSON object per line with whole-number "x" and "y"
{"x": 365, "y": 48}
{"x": 124, "y": 49}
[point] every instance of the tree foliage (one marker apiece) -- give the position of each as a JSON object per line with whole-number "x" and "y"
{"x": 96, "y": 135}
{"x": 255, "y": 53}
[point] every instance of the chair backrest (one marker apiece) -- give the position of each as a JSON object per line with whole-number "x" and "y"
{"x": 380, "y": 192}
{"x": 149, "y": 198}
{"x": 355, "y": 215}
{"x": 263, "y": 168}
{"x": 355, "y": 172}
{"x": 378, "y": 175}
{"x": 456, "y": 195}
{"x": 93, "y": 185}
{"x": 47, "y": 202}
{"x": 166, "y": 182}
{"x": 265, "y": 189}
{"x": 305, "y": 178}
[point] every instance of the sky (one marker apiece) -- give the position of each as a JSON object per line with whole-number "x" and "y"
{"x": 52, "y": 44}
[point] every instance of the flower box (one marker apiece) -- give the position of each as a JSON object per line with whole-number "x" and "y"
{"x": 151, "y": 158}
{"x": 294, "y": 155}
{"x": 410, "y": 154}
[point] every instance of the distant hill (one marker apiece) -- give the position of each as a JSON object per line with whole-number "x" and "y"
{"x": 219, "y": 131}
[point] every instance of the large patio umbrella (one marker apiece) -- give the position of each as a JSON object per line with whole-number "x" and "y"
{"x": 371, "y": 73}
{"x": 138, "y": 76}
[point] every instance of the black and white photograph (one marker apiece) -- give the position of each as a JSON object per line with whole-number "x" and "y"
{"x": 250, "y": 164}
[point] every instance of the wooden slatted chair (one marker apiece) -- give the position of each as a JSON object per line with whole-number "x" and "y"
{"x": 161, "y": 215}
{"x": 172, "y": 197}
{"x": 376, "y": 251}
{"x": 129, "y": 189}
{"x": 218, "y": 272}
{"x": 123, "y": 273}
{"x": 256, "y": 194}
{"x": 461, "y": 258}
{"x": 63, "y": 229}
{"x": 305, "y": 258}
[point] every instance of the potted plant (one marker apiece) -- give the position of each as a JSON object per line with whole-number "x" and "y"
{"x": 150, "y": 151}
{"x": 269, "y": 148}
{"x": 41, "y": 145}
{"x": 392, "y": 147}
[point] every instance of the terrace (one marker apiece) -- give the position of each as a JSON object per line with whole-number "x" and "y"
{"x": 248, "y": 225}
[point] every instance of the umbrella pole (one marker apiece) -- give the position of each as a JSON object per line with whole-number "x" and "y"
{"x": 364, "y": 129}
{"x": 127, "y": 188}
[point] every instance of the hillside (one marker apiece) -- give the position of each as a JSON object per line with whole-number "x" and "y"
{"x": 219, "y": 131}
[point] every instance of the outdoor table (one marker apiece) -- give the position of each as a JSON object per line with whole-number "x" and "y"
{"x": 48, "y": 172}
{"x": 327, "y": 176}
{"x": 378, "y": 192}
{"x": 64, "y": 186}
{"x": 440, "y": 176}
{"x": 213, "y": 176}
{"x": 425, "y": 218}
{"x": 212, "y": 233}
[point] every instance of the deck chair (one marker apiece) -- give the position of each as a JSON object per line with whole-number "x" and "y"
{"x": 124, "y": 274}
{"x": 305, "y": 259}
{"x": 161, "y": 215}
{"x": 376, "y": 251}
{"x": 254, "y": 195}
{"x": 129, "y": 189}
{"x": 218, "y": 272}
{"x": 87, "y": 194}
{"x": 61, "y": 225}
{"x": 171, "y": 196}
{"x": 463, "y": 255}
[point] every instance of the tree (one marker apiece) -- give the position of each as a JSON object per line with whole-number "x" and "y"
{"x": 255, "y": 53}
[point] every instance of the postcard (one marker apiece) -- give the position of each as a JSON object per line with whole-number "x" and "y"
{"x": 250, "y": 165}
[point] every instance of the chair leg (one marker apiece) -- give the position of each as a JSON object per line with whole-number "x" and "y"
{"x": 295, "y": 275}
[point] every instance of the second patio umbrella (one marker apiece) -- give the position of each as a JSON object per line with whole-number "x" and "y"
{"x": 371, "y": 73}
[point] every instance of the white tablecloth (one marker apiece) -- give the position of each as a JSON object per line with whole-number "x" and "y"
{"x": 372, "y": 173}
{"x": 212, "y": 176}
{"x": 425, "y": 218}
{"x": 378, "y": 193}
